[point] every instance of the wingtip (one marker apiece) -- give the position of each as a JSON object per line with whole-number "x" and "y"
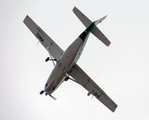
{"x": 25, "y": 18}
{"x": 74, "y": 8}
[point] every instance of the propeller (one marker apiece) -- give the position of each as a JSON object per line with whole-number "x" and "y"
{"x": 46, "y": 94}
{"x": 52, "y": 97}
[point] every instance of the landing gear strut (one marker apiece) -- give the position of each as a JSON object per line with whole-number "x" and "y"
{"x": 67, "y": 78}
{"x": 47, "y": 59}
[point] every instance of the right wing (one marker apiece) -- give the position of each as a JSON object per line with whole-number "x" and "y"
{"x": 83, "y": 79}
{"x": 44, "y": 39}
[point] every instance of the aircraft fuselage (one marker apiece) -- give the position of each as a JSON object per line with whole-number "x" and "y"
{"x": 65, "y": 63}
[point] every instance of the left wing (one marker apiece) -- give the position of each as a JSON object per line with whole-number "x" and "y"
{"x": 44, "y": 39}
{"x": 83, "y": 79}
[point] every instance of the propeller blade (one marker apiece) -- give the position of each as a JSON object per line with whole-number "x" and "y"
{"x": 52, "y": 97}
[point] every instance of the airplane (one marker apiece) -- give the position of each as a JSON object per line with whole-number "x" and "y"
{"x": 65, "y": 62}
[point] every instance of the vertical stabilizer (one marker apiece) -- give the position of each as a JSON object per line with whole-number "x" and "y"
{"x": 100, "y": 20}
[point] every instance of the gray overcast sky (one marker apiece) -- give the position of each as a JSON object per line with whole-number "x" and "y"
{"x": 121, "y": 69}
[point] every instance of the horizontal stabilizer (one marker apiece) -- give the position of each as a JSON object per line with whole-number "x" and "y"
{"x": 82, "y": 17}
{"x": 95, "y": 31}
{"x": 87, "y": 22}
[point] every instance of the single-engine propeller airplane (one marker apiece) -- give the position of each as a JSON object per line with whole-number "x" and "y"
{"x": 66, "y": 61}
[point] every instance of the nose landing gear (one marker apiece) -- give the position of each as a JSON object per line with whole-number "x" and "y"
{"x": 48, "y": 94}
{"x": 41, "y": 92}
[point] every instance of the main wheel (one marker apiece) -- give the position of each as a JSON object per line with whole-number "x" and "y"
{"x": 67, "y": 78}
{"x": 47, "y": 59}
{"x": 41, "y": 92}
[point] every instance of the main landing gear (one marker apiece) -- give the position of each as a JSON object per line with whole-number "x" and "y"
{"x": 47, "y": 59}
{"x": 67, "y": 78}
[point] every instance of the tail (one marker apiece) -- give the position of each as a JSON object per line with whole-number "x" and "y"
{"x": 95, "y": 31}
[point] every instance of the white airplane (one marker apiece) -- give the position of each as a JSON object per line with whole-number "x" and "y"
{"x": 66, "y": 61}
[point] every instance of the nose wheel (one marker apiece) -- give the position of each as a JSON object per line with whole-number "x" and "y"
{"x": 41, "y": 92}
{"x": 47, "y": 59}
